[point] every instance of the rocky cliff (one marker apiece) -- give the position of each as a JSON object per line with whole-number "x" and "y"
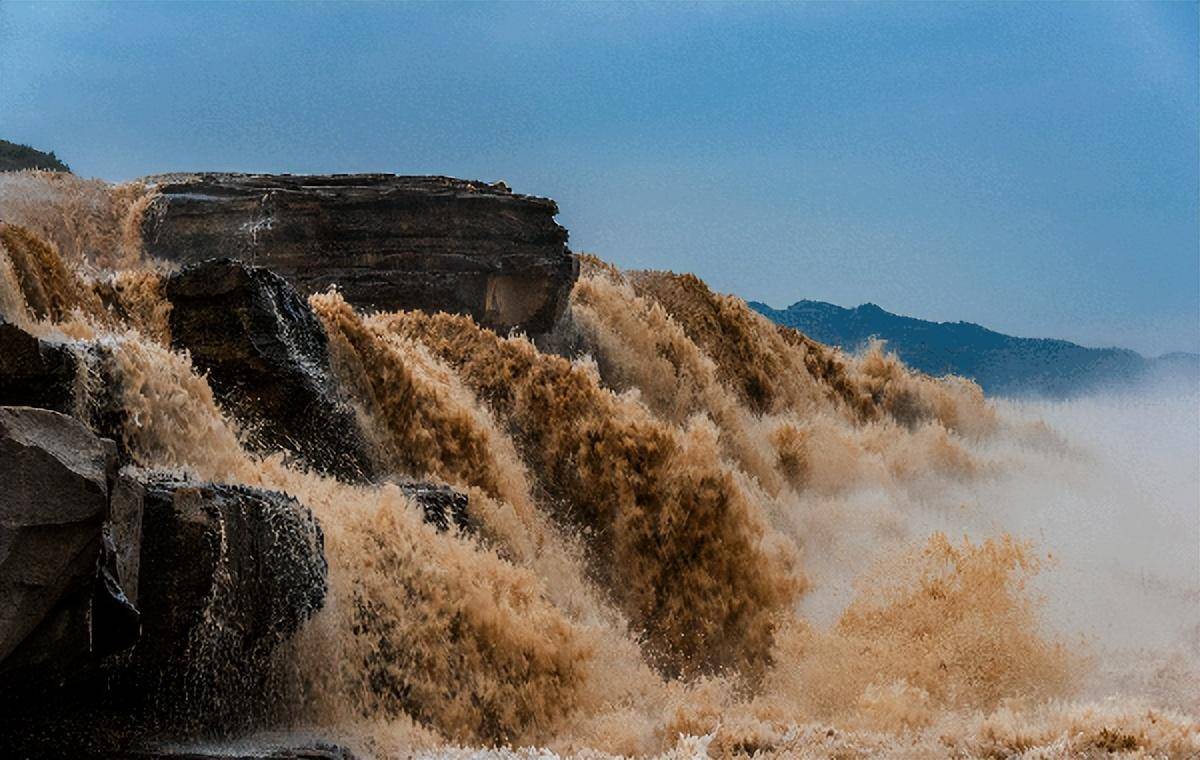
{"x": 387, "y": 242}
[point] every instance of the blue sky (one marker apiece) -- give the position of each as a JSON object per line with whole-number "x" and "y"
{"x": 1031, "y": 167}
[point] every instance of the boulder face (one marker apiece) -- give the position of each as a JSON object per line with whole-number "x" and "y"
{"x": 387, "y": 242}
{"x": 228, "y": 573}
{"x": 76, "y": 379}
{"x": 35, "y": 372}
{"x": 225, "y": 575}
{"x": 267, "y": 360}
{"x": 69, "y": 553}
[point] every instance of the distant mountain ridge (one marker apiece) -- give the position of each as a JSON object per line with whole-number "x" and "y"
{"x": 1002, "y": 364}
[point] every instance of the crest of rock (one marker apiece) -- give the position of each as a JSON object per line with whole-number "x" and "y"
{"x": 387, "y": 242}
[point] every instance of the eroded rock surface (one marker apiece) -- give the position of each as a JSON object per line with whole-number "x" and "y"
{"x": 69, "y": 551}
{"x": 35, "y": 372}
{"x": 267, "y": 359}
{"x": 228, "y": 573}
{"x": 387, "y": 242}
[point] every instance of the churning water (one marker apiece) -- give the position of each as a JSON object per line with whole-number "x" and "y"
{"x": 697, "y": 533}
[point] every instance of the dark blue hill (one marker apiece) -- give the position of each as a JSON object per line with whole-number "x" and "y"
{"x": 1001, "y": 364}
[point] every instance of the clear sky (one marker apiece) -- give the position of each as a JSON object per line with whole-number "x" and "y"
{"x": 1034, "y": 168}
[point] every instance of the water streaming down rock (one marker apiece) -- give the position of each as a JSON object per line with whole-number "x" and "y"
{"x": 267, "y": 357}
{"x": 420, "y": 425}
{"x": 658, "y": 523}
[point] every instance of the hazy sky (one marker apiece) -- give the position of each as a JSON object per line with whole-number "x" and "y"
{"x": 1033, "y": 168}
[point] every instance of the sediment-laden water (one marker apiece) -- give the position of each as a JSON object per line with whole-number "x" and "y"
{"x": 696, "y": 532}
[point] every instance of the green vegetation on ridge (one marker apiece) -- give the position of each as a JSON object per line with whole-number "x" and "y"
{"x": 15, "y": 157}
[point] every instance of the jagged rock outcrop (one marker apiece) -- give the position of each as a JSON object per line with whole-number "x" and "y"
{"x": 227, "y": 574}
{"x": 69, "y": 549}
{"x": 387, "y": 242}
{"x": 267, "y": 359}
{"x": 76, "y": 379}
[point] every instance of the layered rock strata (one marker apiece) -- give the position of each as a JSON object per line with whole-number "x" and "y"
{"x": 387, "y": 242}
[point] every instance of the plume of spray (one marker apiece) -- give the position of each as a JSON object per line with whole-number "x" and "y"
{"x": 635, "y": 586}
{"x": 645, "y": 494}
{"x": 93, "y": 225}
{"x": 418, "y": 623}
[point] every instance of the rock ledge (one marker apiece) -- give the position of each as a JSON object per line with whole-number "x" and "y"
{"x": 388, "y": 242}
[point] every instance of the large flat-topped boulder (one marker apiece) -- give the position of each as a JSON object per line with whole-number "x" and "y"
{"x": 387, "y": 242}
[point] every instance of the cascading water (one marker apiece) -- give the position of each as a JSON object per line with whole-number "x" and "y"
{"x": 702, "y": 534}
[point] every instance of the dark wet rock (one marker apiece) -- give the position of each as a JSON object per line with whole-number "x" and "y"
{"x": 77, "y": 379}
{"x": 267, "y": 359}
{"x": 227, "y": 574}
{"x": 242, "y": 750}
{"x": 36, "y": 372}
{"x": 442, "y": 505}
{"x": 387, "y": 242}
{"x": 68, "y": 550}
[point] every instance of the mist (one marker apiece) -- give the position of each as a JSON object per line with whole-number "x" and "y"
{"x": 692, "y": 529}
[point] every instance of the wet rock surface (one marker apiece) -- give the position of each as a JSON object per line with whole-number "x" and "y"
{"x": 35, "y": 372}
{"x": 228, "y": 573}
{"x": 75, "y": 379}
{"x": 442, "y": 505}
{"x": 387, "y": 242}
{"x": 69, "y": 553}
{"x": 267, "y": 359}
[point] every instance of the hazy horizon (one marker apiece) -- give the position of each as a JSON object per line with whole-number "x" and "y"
{"x": 852, "y": 307}
{"x": 1029, "y": 168}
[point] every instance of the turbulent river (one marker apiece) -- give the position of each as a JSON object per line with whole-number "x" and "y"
{"x": 697, "y": 533}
